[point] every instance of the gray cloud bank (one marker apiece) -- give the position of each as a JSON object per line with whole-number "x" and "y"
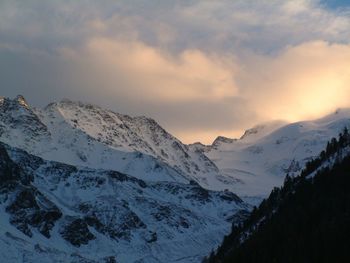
{"x": 201, "y": 68}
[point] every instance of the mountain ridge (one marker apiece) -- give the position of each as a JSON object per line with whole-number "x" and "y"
{"x": 70, "y": 132}
{"x": 307, "y": 219}
{"x": 260, "y": 164}
{"x": 88, "y": 135}
{"x": 61, "y": 212}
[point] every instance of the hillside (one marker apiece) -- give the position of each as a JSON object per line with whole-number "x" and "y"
{"x": 259, "y": 160}
{"x": 84, "y": 134}
{"x": 54, "y": 212}
{"x": 306, "y": 220}
{"x": 87, "y": 135}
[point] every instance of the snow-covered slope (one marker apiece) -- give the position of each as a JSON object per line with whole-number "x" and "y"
{"x": 85, "y": 134}
{"x": 53, "y": 212}
{"x": 261, "y": 158}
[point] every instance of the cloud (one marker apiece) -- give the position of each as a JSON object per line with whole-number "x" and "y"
{"x": 204, "y": 92}
{"x": 192, "y": 75}
{"x": 201, "y": 68}
{"x": 304, "y": 81}
{"x": 208, "y": 25}
{"x": 193, "y": 89}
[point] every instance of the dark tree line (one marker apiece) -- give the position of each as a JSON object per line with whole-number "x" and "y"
{"x": 306, "y": 220}
{"x": 332, "y": 147}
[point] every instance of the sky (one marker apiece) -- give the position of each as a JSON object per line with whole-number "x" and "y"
{"x": 200, "y": 68}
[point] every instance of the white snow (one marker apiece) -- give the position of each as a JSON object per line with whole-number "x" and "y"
{"x": 258, "y": 162}
{"x": 161, "y": 206}
{"x": 87, "y": 135}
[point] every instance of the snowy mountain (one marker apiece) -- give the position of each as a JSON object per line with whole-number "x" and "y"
{"x": 85, "y": 184}
{"x": 87, "y": 135}
{"x": 54, "y": 212}
{"x": 260, "y": 159}
{"x": 80, "y": 183}
{"x": 83, "y": 134}
{"x": 305, "y": 220}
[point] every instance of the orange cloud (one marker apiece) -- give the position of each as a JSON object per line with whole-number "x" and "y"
{"x": 301, "y": 82}
{"x": 184, "y": 63}
{"x": 157, "y": 75}
{"x": 304, "y": 81}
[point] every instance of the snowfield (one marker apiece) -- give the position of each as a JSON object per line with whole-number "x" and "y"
{"x": 80, "y": 183}
{"x": 61, "y": 213}
{"x": 88, "y": 185}
{"x": 261, "y": 158}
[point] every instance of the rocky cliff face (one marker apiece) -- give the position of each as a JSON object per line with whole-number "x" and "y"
{"x": 85, "y": 134}
{"x": 66, "y": 213}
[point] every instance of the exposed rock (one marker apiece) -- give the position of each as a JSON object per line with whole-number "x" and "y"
{"x": 81, "y": 205}
{"x": 31, "y": 208}
{"x": 77, "y": 233}
{"x": 221, "y": 139}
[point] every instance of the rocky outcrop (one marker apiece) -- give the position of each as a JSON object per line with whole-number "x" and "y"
{"x": 84, "y": 210}
{"x": 77, "y": 232}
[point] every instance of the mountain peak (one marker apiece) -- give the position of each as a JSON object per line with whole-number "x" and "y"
{"x": 222, "y": 139}
{"x": 253, "y": 130}
{"x": 262, "y": 129}
{"x": 22, "y": 101}
{"x": 18, "y": 102}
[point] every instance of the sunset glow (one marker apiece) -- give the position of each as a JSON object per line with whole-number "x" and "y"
{"x": 201, "y": 69}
